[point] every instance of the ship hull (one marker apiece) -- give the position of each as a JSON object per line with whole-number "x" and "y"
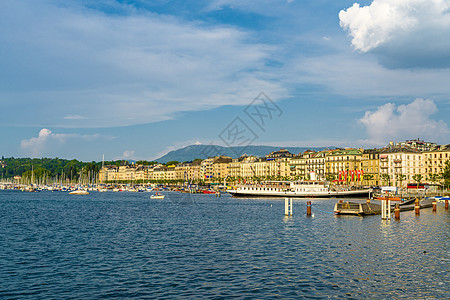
{"x": 288, "y": 194}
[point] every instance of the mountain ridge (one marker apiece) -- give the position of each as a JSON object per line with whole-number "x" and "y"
{"x": 192, "y": 152}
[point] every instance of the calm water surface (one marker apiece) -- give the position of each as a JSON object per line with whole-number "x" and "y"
{"x": 56, "y": 245}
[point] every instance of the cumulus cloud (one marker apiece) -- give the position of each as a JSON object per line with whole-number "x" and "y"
{"x": 402, "y": 33}
{"x": 46, "y": 141}
{"x": 128, "y": 154}
{"x": 133, "y": 67}
{"x": 391, "y": 123}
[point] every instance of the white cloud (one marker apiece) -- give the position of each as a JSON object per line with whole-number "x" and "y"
{"x": 402, "y": 33}
{"x": 117, "y": 70}
{"x": 46, "y": 142}
{"x": 394, "y": 123}
{"x": 128, "y": 154}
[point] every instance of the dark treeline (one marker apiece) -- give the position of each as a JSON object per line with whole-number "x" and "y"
{"x": 54, "y": 167}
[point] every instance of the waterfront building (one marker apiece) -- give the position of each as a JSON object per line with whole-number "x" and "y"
{"x": 206, "y": 168}
{"x": 297, "y": 165}
{"x": 434, "y": 162}
{"x": 140, "y": 173}
{"x": 234, "y": 168}
{"x": 277, "y": 168}
{"x": 108, "y": 173}
{"x": 370, "y": 165}
{"x": 188, "y": 171}
{"x": 316, "y": 164}
{"x": 220, "y": 167}
{"x": 162, "y": 173}
{"x": 344, "y": 166}
{"x": 398, "y": 165}
{"x": 248, "y": 167}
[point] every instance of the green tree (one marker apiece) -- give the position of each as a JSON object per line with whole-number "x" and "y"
{"x": 401, "y": 177}
{"x": 446, "y": 174}
{"x": 434, "y": 177}
{"x": 417, "y": 178}
{"x": 330, "y": 177}
{"x": 386, "y": 178}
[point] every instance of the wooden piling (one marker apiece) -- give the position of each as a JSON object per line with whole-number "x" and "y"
{"x": 417, "y": 206}
{"x": 446, "y": 204}
{"x": 308, "y": 208}
{"x": 397, "y": 212}
{"x": 434, "y": 205}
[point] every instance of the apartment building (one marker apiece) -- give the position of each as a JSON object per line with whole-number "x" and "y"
{"x": 434, "y": 162}
{"x": 398, "y": 165}
{"x": 344, "y": 165}
{"x": 370, "y": 166}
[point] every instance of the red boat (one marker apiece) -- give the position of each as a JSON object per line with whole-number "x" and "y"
{"x": 208, "y": 192}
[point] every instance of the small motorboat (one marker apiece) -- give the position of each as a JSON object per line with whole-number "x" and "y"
{"x": 157, "y": 196}
{"x": 442, "y": 198}
{"x": 79, "y": 192}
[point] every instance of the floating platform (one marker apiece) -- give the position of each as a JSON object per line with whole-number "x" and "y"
{"x": 363, "y": 209}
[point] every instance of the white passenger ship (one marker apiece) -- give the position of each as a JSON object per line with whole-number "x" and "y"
{"x": 299, "y": 189}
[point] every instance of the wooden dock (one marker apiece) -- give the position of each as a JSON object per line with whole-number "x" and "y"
{"x": 363, "y": 209}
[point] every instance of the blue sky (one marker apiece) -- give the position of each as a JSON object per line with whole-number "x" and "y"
{"x": 135, "y": 79}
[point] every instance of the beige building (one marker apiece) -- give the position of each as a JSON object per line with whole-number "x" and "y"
{"x": 398, "y": 165}
{"x": 188, "y": 172}
{"x": 344, "y": 165}
{"x": 220, "y": 167}
{"x": 234, "y": 168}
{"x": 370, "y": 165}
{"x": 206, "y": 169}
{"x": 434, "y": 162}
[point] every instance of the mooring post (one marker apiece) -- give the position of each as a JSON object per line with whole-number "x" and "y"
{"x": 383, "y": 209}
{"x": 434, "y": 205}
{"x": 388, "y": 209}
{"x": 288, "y": 206}
{"x": 397, "y": 212}
{"x": 446, "y": 204}
{"x": 417, "y": 206}
{"x": 308, "y": 208}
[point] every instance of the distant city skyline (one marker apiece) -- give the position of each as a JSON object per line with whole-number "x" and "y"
{"x": 136, "y": 79}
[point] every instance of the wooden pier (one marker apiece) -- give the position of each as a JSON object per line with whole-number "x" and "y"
{"x": 368, "y": 208}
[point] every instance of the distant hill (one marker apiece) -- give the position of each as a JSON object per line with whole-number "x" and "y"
{"x": 192, "y": 152}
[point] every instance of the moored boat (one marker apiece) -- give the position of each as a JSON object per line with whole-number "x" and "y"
{"x": 297, "y": 189}
{"x": 157, "y": 196}
{"x": 79, "y": 192}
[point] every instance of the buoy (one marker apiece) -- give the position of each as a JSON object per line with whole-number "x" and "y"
{"x": 308, "y": 208}
{"x": 397, "y": 212}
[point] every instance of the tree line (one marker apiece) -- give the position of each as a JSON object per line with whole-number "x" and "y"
{"x": 52, "y": 168}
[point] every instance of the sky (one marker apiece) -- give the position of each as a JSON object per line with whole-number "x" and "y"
{"x": 136, "y": 79}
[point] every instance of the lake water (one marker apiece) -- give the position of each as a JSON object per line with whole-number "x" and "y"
{"x": 125, "y": 245}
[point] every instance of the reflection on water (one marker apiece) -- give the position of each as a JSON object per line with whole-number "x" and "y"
{"x": 127, "y": 245}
